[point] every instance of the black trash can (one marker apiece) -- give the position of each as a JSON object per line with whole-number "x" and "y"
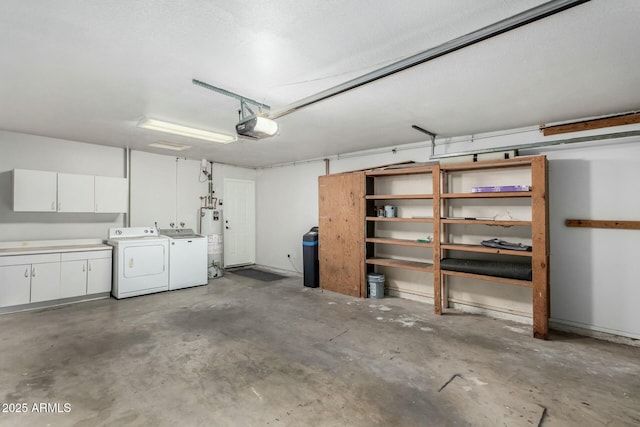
{"x": 311, "y": 265}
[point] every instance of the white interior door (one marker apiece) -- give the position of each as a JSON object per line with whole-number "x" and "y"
{"x": 239, "y": 222}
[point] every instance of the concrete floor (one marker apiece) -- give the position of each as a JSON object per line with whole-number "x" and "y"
{"x": 243, "y": 352}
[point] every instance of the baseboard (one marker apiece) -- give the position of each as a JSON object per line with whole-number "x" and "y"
{"x": 595, "y": 332}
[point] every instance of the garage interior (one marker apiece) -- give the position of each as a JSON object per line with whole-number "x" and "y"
{"x": 477, "y": 160}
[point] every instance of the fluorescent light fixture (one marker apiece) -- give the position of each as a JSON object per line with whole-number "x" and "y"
{"x": 186, "y": 131}
{"x": 169, "y": 145}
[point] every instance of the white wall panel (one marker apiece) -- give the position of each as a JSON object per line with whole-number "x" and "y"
{"x": 21, "y": 151}
{"x": 287, "y": 207}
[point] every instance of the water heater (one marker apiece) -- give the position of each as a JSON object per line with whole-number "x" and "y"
{"x": 211, "y": 226}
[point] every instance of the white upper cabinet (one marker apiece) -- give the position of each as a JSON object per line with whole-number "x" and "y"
{"x": 34, "y": 191}
{"x": 75, "y": 193}
{"x": 40, "y": 191}
{"x": 112, "y": 194}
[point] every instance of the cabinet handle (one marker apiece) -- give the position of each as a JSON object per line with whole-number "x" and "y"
{"x": 83, "y": 268}
{"x": 89, "y": 266}
{"x": 53, "y": 206}
{"x": 33, "y": 271}
{"x": 26, "y": 272}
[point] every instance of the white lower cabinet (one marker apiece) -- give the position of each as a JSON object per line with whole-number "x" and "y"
{"x": 15, "y": 285}
{"x": 73, "y": 278}
{"x": 85, "y": 273}
{"x": 45, "y": 281}
{"x": 99, "y": 274}
{"x": 40, "y": 274}
{"x": 36, "y": 278}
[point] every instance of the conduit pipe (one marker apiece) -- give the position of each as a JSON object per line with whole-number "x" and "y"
{"x": 592, "y": 138}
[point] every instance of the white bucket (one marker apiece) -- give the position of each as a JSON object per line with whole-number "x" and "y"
{"x": 390, "y": 211}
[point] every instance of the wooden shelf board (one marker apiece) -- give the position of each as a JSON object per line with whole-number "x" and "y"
{"x": 382, "y": 218}
{"x": 508, "y": 281}
{"x": 398, "y": 196}
{"x": 591, "y": 223}
{"x": 496, "y": 195}
{"x": 484, "y": 249}
{"x": 401, "y": 242}
{"x": 485, "y": 222}
{"x": 401, "y": 263}
{"x": 516, "y": 162}
{"x": 401, "y": 171}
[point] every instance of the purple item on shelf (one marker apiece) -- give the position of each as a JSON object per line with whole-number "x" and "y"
{"x": 501, "y": 188}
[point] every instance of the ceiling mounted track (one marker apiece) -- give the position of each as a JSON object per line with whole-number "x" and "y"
{"x": 243, "y": 99}
{"x": 500, "y": 27}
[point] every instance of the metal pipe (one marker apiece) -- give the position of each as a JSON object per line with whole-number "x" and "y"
{"x": 500, "y": 27}
{"x": 431, "y": 135}
{"x": 127, "y": 173}
{"x": 542, "y": 144}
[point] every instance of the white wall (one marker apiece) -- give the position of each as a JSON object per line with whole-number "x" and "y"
{"x": 594, "y": 272}
{"x": 21, "y": 151}
{"x": 167, "y": 189}
{"x": 287, "y": 207}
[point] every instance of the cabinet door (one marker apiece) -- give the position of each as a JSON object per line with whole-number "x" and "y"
{"x": 111, "y": 194}
{"x": 45, "y": 281}
{"x": 73, "y": 278}
{"x": 99, "y": 276}
{"x": 15, "y": 285}
{"x": 34, "y": 191}
{"x": 75, "y": 193}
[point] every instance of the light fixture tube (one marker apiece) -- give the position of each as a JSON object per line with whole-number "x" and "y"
{"x": 190, "y": 132}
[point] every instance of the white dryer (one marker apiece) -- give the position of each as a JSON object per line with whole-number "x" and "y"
{"x": 140, "y": 261}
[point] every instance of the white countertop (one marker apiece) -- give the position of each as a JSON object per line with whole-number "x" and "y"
{"x": 51, "y": 246}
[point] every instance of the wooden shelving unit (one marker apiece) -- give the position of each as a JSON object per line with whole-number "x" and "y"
{"x": 348, "y": 251}
{"x": 538, "y": 226}
{"x": 371, "y": 240}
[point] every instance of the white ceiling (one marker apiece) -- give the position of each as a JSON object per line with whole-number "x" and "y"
{"x": 89, "y": 70}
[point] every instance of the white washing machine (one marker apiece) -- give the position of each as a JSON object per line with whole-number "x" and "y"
{"x": 187, "y": 258}
{"x": 140, "y": 261}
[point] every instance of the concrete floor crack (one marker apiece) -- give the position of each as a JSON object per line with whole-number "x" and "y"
{"x": 453, "y": 377}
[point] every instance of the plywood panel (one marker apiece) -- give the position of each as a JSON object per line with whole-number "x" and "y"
{"x": 341, "y": 233}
